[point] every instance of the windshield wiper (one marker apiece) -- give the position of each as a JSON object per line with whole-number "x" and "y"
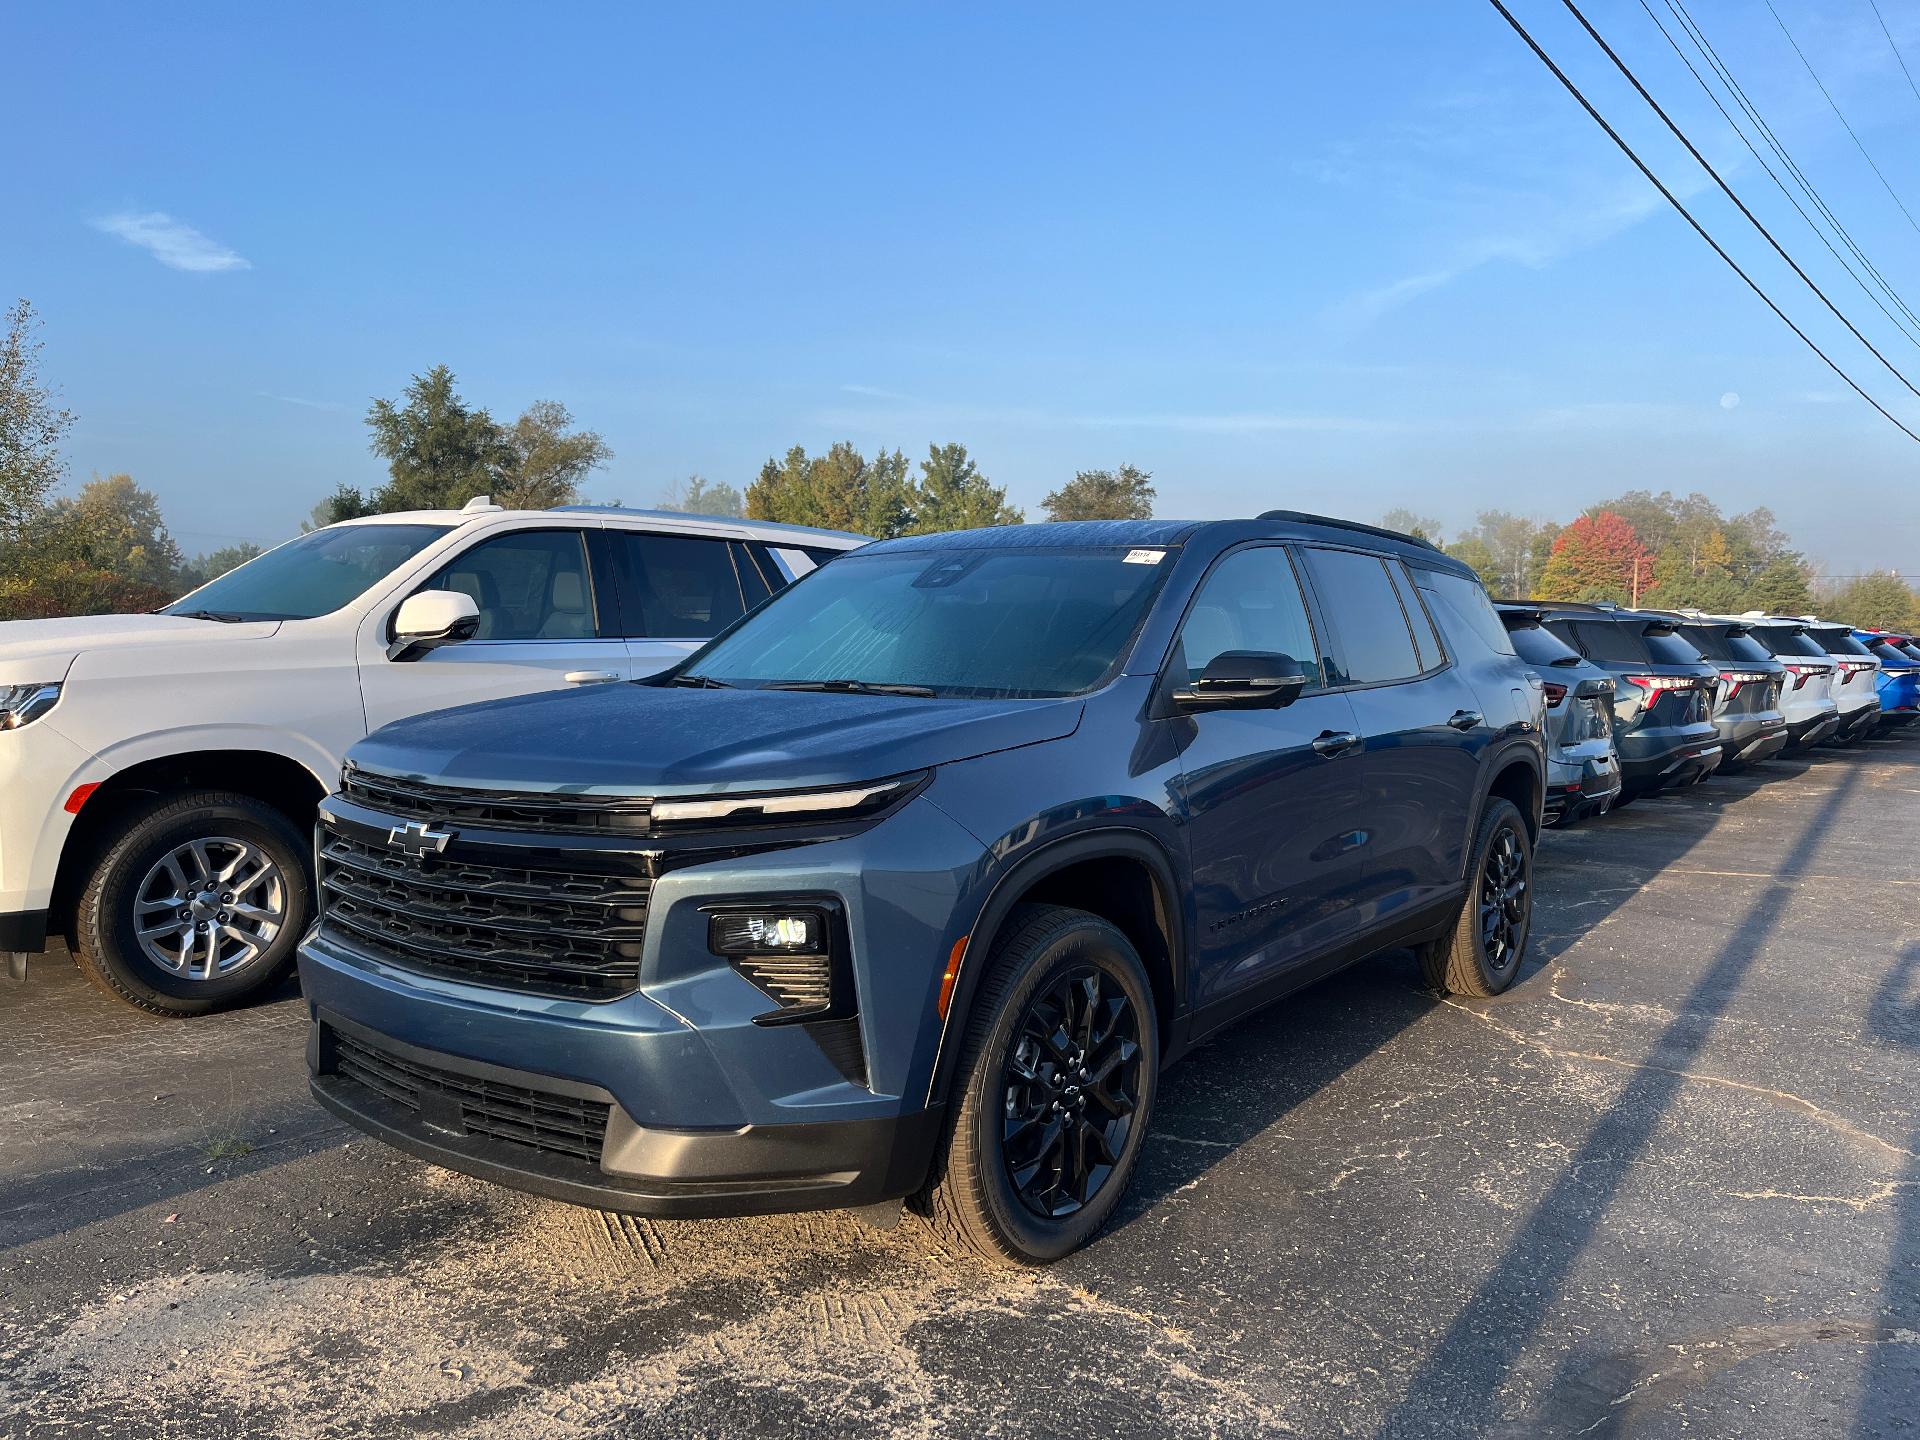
{"x": 225, "y": 617}
{"x": 700, "y": 682}
{"x": 854, "y": 687}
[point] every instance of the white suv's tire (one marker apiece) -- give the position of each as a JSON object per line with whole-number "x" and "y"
{"x": 235, "y": 870}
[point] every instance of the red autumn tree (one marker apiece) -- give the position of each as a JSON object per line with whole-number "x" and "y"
{"x": 1598, "y": 557}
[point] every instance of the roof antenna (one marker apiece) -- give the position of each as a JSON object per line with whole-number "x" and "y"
{"x": 477, "y": 504}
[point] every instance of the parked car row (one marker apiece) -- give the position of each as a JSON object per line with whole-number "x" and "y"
{"x": 898, "y": 879}
{"x": 1646, "y": 700}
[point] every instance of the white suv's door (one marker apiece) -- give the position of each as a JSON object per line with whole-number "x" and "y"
{"x": 545, "y": 623}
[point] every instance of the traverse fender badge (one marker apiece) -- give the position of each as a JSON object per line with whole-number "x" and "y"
{"x": 417, "y": 838}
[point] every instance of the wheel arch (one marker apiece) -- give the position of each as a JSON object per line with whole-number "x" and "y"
{"x": 274, "y": 778}
{"x": 1072, "y": 871}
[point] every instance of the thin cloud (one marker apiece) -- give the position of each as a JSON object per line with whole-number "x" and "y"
{"x": 172, "y": 242}
{"x": 303, "y": 404}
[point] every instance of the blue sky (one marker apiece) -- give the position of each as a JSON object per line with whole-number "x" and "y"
{"x": 1330, "y": 257}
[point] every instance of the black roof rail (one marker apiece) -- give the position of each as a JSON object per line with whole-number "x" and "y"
{"x": 1301, "y": 517}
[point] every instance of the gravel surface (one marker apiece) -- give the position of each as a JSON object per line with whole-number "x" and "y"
{"x": 1667, "y": 1185}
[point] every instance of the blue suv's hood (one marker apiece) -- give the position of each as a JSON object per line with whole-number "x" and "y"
{"x": 653, "y": 740}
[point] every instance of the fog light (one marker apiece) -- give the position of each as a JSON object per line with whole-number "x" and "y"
{"x": 768, "y": 932}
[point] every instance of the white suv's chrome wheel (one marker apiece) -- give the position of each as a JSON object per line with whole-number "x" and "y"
{"x": 210, "y": 907}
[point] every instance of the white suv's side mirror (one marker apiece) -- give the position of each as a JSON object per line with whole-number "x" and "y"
{"x": 431, "y": 619}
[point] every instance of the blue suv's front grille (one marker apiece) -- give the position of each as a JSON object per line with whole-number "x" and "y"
{"x": 498, "y": 809}
{"x": 546, "y": 932}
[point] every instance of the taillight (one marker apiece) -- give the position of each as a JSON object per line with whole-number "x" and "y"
{"x": 1803, "y": 673}
{"x": 1851, "y": 668}
{"x": 1555, "y": 693}
{"x": 1658, "y": 683}
{"x": 1737, "y": 678}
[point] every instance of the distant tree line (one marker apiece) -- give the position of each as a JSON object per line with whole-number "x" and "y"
{"x": 1664, "y": 551}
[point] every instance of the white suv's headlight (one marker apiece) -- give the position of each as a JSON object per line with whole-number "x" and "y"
{"x": 24, "y": 704}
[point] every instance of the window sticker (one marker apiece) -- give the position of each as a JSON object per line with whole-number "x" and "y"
{"x": 1145, "y": 557}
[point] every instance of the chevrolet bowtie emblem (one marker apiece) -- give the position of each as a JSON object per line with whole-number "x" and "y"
{"x": 418, "y": 838}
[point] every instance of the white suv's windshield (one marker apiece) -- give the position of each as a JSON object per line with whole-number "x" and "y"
{"x": 314, "y": 575}
{"x": 975, "y": 623}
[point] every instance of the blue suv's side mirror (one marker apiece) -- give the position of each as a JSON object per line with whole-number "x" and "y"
{"x": 1245, "y": 680}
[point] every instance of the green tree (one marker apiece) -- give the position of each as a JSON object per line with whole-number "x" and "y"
{"x": 1123, "y": 494}
{"x": 115, "y": 526}
{"x": 1697, "y": 574}
{"x": 1875, "y": 602}
{"x": 697, "y": 495}
{"x": 440, "y": 451}
{"x": 1511, "y": 542}
{"x": 1408, "y": 522}
{"x": 952, "y": 494}
{"x": 1782, "y": 586}
{"x": 840, "y": 490}
{"x": 1472, "y": 550}
{"x": 32, "y": 427}
{"x": 546, "y": 458}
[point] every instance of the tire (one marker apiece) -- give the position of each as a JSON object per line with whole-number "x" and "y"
{"x": 1046, "y": 955}
{"x": 1462, "y": 962}
{"x": 248, "y": 950}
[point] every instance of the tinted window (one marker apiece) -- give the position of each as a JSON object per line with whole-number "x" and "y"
{"x": 1671, "y": 648}
{"x": 1912, "y": 650}
{"x": 1251, "y": 601}
{"x": 1889, "y": 652}
{"x": 1788, "y": 640}
{"x": 314, "y": 575}
{"x": 969, "y": 623}
{"x": 1608, "y": 641}
{"x": 1539, "y": 646}
{"x": 1463, "y": 606}
{"x": 1742, "y": 646}
{"x": 1841, "y": 642}
{"x": 529, "y": 585}
{"x": 1432, "y": 653}
{"x": 677, "y": 587}
{"x": 753, "y": 585}
{"x": 1356, "y": 593}
{"x": 1711, "y": 640}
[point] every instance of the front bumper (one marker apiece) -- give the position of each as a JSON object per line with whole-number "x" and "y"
{"x": 573, "y": 1141}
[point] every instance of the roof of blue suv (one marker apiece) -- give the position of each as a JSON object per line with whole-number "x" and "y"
{"x": 1275, "y": 524}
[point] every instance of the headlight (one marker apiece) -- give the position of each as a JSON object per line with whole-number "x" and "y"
{"x": 848, "y": 803}
{"x": 24, "y": 704}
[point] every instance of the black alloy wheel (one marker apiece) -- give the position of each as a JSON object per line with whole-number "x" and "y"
{"x": 1072, "y": 1084}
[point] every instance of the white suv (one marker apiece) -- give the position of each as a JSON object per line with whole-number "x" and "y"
{"x": 160, "y": 772}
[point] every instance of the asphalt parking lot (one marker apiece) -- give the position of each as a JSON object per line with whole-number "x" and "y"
{"x": 1667, "y": 1185}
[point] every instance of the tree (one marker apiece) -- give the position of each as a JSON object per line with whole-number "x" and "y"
{"x": 32, "y": 427}
{"x": 696, "y": 495}
{"x": 952, "y": 494}
{"x": 1511, "y": 542}
{"x": 546, "y": 458}
{"x": 1472, "y": 550}
{"x": 1875, "y": 602}
{"x": 1698, "y": 574}
{"x": 840, "y": 490}
{"x": 1423, "y": 527}
{"x": 440, "y": 452}
{"x": 115, "y": 526}
{"x": 1597, "y": 557}
{"x": 1780, "y": 587}
{"x": 1123, "y": 494}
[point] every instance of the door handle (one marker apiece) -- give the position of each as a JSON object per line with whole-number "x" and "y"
{"x": 1334, "y": 742}
{"x": 1465, "y": 719}
{"x": 590, "y": 677}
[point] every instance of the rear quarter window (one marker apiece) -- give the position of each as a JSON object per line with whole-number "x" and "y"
{"x": 1609, "y": 641}
{"x": 1539, "y": 646}
{"x": 1463, "y": 610}
{"x": 1672, "y": 649}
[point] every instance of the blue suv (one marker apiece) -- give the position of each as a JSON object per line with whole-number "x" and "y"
{"x": 911, "y": 883}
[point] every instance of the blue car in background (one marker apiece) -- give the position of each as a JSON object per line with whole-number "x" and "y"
{"x": 1899, "y": 678}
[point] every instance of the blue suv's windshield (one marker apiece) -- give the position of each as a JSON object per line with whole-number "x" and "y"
{"x": 975, "y": 623}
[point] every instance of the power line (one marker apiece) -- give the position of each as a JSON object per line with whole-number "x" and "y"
{"x": 1836, "y": 110}
{"x": 1895, "y": 48}
{"x": 1687, "y": 215}
{"x": 1792, "y": 200}
{"x": 1678, "y": 9}
{"x": 1727, "y": 190}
